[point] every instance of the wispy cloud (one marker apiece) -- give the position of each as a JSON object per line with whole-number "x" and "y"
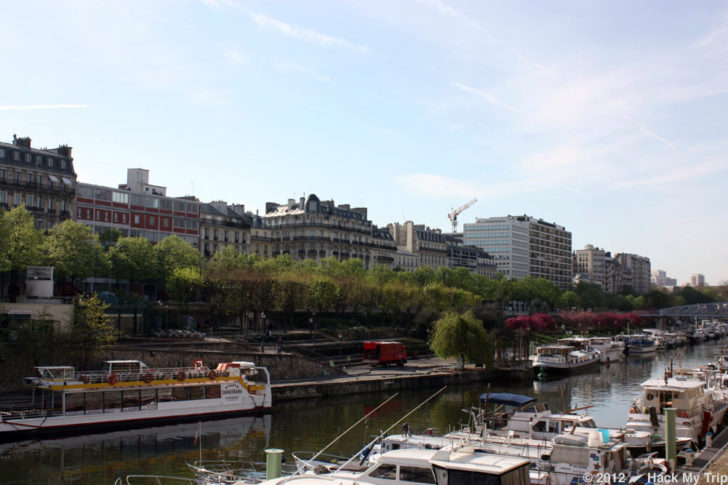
{"x": 488, "y": 97}
{"x": 290, "y": 67}
{"x": 679, "y": 174}
{"x": 234, "y": 55}
{"x": 211, "y": 98}
{"x": 304, "y": 34}
{"x": 15, "y": 107}
{"x": 657, "y": 137}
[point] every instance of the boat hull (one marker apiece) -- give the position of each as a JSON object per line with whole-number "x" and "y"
{"x": 565, "y": 368}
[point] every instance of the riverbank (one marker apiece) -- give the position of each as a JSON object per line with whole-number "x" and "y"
{"x": 420, "y": 373}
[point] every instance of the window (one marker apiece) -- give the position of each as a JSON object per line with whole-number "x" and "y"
{"x": 120, "y": 197}
{"x": 30, "y": 200}
{"x": 136, "y": 219}
{"x": 416, "y": 474}
{"x": 28, "y": 158}
{"x": 2, "y": 153}
{"x": 49, "y": 161}
{"x": 165, "y": 223}
{"x": 106, "y": 216}
{"x": 2, "y": 174}
{"x": 386, "y": 471}
{"x": 150, "y": 220}
{"x": 38, "y": 160}
{"x": 63, "y": 164}
{"x": 3, "y": 197}
{"x": 50, "y": 204}
{"x": 16, "y": 156}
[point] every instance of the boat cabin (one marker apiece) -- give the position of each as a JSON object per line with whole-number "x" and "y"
{"x": 121, "y": 367}
{"x": 683, "y": 394}
{"x": 51, "y": 375}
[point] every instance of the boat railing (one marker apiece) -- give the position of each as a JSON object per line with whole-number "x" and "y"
{"x": 16, "y": 414}
{"x": 148, "y": 375}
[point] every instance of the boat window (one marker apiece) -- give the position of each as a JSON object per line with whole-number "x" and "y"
{"x": 416, "y": 474}
{"x": 519, "y": 476}
{"x": 540, "y": 426}
{"x": 94, "y": 402}
{"x": 165, "y": 395}
{"x": 131, "y": 400}
{"x": 180, "y": 394}
{"x": 74, "y": 403}
{"x": 112, "y": 401}
{"x": 386, "y": 471}
{"x": 589, "y": 423}
{"x": 212, "y": 392}
{"x": 464, "y": 477}
{"x": 148, "y": 398}
{"x": 197, "y": 392}
{"x": 554, "y": 427}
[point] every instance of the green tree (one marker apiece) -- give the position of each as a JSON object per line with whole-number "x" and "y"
{"x": 20, "y": 242}
{"x": 184, "y": 283}
{"x": 91, "y": 335}
{"x": 75, "y": 251}
{"x": 133, "y": 259}
{"x": 173, "y": 253}
{"x": 462, "y": 335}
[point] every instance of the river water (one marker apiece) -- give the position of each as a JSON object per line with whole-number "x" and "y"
{"x": 309, "y": 425}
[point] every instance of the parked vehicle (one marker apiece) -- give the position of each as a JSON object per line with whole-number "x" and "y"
{"x": 384, "y": 353}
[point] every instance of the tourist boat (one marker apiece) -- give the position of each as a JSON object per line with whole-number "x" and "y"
{"x": 567, "y": 356}
{"x": 128, "y": 392}
{"x": 585, "y": 458}
{"x": 699, "y": 406}
{"x": 610, "y": 349}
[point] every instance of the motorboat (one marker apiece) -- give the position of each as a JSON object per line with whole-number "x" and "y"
{"x": 567, "y": 356}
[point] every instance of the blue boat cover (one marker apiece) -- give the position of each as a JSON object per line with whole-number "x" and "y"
{"x": 506, "y": 398}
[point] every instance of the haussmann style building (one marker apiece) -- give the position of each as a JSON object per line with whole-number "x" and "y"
{"x": 41, "y": 179}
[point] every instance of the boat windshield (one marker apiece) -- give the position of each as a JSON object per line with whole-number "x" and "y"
{"x": 56, "y": 373}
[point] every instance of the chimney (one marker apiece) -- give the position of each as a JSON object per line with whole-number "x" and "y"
{"x": 64, "y": 150}
{"x": 270, "y": 207}
{"x": 302, "y": 201}
{"x": 291, "y": 203}
{"x": 21, "y": 142}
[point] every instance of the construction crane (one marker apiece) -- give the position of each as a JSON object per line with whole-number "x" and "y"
{"x": 453, "y": 216}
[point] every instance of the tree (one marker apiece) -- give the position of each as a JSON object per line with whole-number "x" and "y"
{"x": 462, "y": 335}
{"x": 133, "y": 259}
{"x": 184, "y": 283}
{"x": 91, "y": 335}
{"x": 174, "y": 253}
{"x": 74, "y": 250}
{"x": 20, "y": 241}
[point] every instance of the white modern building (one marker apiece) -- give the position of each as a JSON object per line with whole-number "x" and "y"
{"x": 524, "y": 246}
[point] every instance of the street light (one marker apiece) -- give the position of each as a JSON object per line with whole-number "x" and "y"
{"x": 312, "y": 321}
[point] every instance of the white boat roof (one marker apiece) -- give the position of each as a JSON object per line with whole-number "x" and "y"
{"x": 673, "y": 384}
{"x": 123, "y": 362}
{"x": 555, "y": 346}
{"x": 460, "y": 459}
{"x": 54, "y": 367}
{"x": 464, "y": 459}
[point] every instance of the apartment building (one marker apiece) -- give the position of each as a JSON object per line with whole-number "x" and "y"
{"x": 138, "y": 208}
{"x": 697, "y": 281}
{"x": 310, "y": 228}
{"x": 636, "y": 272}
{"x": 524, "y": 246}
{"x": 223, "y": 225}
{"x": 41, "y": 179}
{"x": 429, "y": 245}
{"x": 590, "y": 265}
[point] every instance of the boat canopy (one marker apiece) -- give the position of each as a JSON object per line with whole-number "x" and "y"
{"x": 506, "y": 398}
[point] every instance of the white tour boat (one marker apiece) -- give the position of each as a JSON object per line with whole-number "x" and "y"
{"x": 127, "y": 392}
{"x": 567, "y": 356}
{"x": 610, "y": 349}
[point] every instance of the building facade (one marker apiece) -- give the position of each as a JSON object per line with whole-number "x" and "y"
{"x": 429, "y": 245}
{"x": 637, "y": 268}
{"x": 660, "y": 279}
{"x": 223, "y": 225}
{"x": 697, "y": 281}
{"x": 42, "y": 180}
{"x": 524, "y": 246}
{"x": 311, "y": 228}
{"x": 590, "y": 265}
{"x": 139, "y": 209}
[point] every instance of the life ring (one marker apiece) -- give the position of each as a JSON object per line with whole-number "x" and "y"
{"x": 147, "y": 378}
{"x": 181, "y": 376}
{"x": 112, "y": 379}
{"x": 212, "y": 374}
{"x": 84, "y": 378}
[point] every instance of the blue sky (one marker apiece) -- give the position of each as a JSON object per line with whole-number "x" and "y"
{"x": 608, "y": 118}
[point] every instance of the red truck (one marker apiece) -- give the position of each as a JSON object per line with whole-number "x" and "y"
{"x": 384, "y": 353}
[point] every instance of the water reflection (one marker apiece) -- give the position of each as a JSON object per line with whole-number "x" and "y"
{"x": 309, "y": 425}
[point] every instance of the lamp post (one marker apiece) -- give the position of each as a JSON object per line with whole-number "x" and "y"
{"x": 262, "y": 331}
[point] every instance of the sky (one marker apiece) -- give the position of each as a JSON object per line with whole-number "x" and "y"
{"x": 606, "y": 117}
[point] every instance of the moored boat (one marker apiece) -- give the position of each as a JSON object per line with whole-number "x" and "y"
{"x": 566, "y": 357}
{"x": 128, "y": 392}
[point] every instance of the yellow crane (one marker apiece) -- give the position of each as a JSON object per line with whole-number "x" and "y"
{"x": 453, "y": 216}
